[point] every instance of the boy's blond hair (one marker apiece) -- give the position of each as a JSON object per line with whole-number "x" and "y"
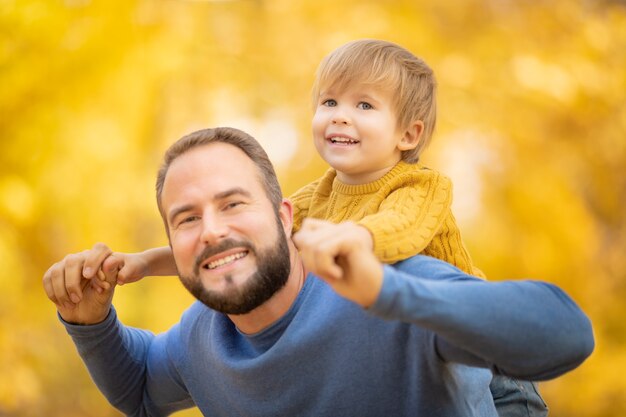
{"x": 389, "y": 67}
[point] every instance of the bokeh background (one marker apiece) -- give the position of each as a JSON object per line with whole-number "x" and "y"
{"x": 532, "y": 125}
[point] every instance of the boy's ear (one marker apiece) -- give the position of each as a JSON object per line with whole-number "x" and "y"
{"x": 411, "y": 136}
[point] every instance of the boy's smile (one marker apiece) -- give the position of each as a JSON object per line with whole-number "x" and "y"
{"x": 355, "y": 131}
{"x": 337, "y": 139}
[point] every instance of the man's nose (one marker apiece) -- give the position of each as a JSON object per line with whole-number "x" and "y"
{"x": 213, "y": 229}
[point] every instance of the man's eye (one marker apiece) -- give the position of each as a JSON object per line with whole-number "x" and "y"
{"x": 188, "y": 219}
{"x": 365, "y": 106}
{"x": 329, "y": 103}
{"x": 233, "y": 205}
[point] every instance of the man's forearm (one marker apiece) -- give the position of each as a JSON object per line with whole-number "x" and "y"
{"x": 527, "y": 329}
{"x": 116, "y": 359}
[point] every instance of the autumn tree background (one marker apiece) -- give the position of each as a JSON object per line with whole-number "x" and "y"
{"x": 532, "y": 124}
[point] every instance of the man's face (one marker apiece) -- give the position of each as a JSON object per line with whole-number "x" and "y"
{"x": 229, "y": 245}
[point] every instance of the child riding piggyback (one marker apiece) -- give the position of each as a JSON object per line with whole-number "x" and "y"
{"x": 375, "y": 112}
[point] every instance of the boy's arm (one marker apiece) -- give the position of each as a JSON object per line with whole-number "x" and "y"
{"x": 149, "y": 263}
{"x": 135, "y": 266}
{"x": 410, "y": 216}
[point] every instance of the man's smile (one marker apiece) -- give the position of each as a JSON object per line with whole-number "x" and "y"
{"x": 223, "y": 259}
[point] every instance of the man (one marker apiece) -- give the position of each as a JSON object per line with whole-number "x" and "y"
{"x": 327, "y": 331}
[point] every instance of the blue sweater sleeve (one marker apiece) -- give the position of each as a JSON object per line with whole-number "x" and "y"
{"x": 131, "y": 367}
{"x": 525, "y": 329}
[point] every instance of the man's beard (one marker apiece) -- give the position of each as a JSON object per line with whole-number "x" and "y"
{"x": 273, "y": 267}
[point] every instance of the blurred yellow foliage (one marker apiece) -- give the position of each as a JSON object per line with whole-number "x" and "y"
{"x": 532, "y": 126}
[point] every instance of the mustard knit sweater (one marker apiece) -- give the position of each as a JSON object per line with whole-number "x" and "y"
{"x": 407, "y": 211}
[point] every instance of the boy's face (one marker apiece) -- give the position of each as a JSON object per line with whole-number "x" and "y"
{"x": 355, "y": 131}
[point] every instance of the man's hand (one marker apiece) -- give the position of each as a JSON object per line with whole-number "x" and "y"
{"x": 341, "y": 254}
{"x": 68, "y": 284}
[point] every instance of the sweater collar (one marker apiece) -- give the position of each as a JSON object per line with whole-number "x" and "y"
{"x": 370, "y": 187}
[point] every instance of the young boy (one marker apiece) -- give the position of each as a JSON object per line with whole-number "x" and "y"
{"x": 375, "y": 112}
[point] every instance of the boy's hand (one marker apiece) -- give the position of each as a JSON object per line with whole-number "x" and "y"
{"x": 68, "y": 285}
{"x": 342, "y": 255}
{"x": 133, "y": 267}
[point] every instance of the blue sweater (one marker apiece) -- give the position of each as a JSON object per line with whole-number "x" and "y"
{"x": 426, "y": 348}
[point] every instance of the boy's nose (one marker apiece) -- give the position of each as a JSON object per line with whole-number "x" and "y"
{"x": 340, "y": 117}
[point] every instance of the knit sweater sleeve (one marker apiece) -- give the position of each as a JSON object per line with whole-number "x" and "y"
{"x": 410, "y": 216}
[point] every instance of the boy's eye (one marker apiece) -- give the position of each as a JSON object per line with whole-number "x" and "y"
{"x": 329, "y": 103}
{"x": 364, "y": 106}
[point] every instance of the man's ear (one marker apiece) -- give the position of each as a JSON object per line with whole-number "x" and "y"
{"x": 285, "y": 213}
{"x": 412, "y": 135}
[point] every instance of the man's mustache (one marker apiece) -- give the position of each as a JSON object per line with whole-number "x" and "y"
{"x": 220, "y": 247}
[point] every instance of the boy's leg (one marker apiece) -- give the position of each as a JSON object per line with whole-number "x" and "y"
{"x": 517, "y": 398}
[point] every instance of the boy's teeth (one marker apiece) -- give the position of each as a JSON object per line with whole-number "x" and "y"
{"x": 226, "y": 260}
{"x": 342, "y": 140}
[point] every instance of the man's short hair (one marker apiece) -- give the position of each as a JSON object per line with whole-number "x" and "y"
{"x": 231, "y": 136}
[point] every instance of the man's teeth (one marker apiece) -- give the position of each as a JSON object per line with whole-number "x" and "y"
{"x": 337, "y": 139}
{"x": 226, "y": 260}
